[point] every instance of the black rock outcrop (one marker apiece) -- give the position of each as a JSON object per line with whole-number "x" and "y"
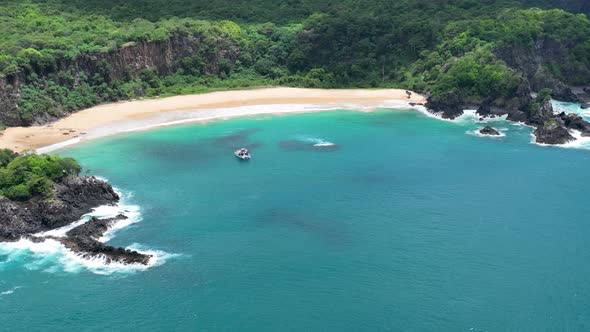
{"x": 531, "y": 63}
{"x": 84, "y": 240}
{"x": 489, "y": 131}
{"x": 551, "y": 128}
{"x": 552, "y": 132}
{"x": 72, "y": 198}
{"x": 449, "y": 105}
{"x": 575, "y": 122}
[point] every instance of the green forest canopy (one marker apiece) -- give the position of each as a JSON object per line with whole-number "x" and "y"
{"x": 22, "y": 177}
{"x": 436, "y": 46}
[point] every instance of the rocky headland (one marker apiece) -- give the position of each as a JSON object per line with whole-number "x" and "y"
{"x": 531, "y": 102}
{"x": 73, "y": 197}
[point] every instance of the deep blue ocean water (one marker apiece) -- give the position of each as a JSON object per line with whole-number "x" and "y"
{"x": 405, "y": 223}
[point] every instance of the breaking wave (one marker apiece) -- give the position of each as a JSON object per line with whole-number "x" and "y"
{"x": 581, "y": 142}
{"x": 52, "y": 256}
{"x": 471, "y": 118}
{"x": 561, "y": 106}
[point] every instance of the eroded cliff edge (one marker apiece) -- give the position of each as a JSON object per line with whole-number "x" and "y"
{"x": 182, "y": 51}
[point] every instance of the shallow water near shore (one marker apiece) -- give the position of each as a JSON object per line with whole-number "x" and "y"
{"x": 342, "y": 221}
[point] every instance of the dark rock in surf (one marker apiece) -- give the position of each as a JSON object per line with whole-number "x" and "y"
{"x": 73, "y": 198}
{"x": 449, "y": 105}
{"x": 95, "y": 228}
{"x": 552, "y": 132}
{"x": 90, "y": 248}
{"x": 576, "y": 122}
{"x": 489, "y": 131}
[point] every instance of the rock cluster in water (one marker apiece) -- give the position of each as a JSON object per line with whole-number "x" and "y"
{"x": 521, "y": 107}
{"x": 73, "y": 198}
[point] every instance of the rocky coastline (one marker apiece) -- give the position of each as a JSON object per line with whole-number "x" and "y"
{"x": 550, "y": 127}
{"x": 525, "y": 105}
{"x": 72, "y": 198}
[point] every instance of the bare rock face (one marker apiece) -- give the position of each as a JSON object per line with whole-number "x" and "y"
{"x": 73, "y": 198}
{"x": 489, "y": 131}
{"x": 9, "y": 94}
{"x": 163, "y": 57}
{"x": 95, "y": 228}
{"x": 449, "y": 105}
{"x": 553, "y": 132}
{"x": 576, "y": 122}
{"x": 540, "y": 116}
{"x": 91, "y": 248}
{"x": 84, "y": 240}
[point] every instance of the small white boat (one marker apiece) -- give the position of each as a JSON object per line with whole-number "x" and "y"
{"x": 243, "y": 154}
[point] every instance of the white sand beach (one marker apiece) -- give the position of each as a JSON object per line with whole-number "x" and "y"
{"x": 110, "y": 119}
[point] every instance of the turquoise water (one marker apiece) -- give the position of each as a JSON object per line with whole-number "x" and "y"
{"x": 407, "y": 223}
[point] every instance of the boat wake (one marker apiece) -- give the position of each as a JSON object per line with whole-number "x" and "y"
{"x": 52, "y": 256}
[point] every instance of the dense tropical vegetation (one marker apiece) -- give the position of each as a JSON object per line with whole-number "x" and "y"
{"x": 55, "y": 53}
{"x": 437, "y": 46}
{"x": 23, "y": 177}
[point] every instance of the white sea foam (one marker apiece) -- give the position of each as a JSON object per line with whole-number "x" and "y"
{"x": 184, "y": 117}
{"x": 73, "y": 262}
{"x": 581, "y": 142}
{"x": 561, "y": 106}
{"x": 57, "y": 146}
{"x": 10, "y": 291}
{"x": 316, "y": 141}
{"x": 324, "y": 144}
{"x": 471, "y": 117}
{"x": 132, "y": 212}
{"x": 52, "y": 256}
{"x": 476, "y": 132}
{"x": 429, "y": 114}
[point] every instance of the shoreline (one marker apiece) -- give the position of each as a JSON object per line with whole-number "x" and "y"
{"x": 115, "y": 118}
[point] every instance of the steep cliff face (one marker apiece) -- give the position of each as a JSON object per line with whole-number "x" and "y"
{"x": 9, "y": 94}
{"x": 534, "y": 64}
{"x": 121, "y": 65}
{"x": 165, "y": 57}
